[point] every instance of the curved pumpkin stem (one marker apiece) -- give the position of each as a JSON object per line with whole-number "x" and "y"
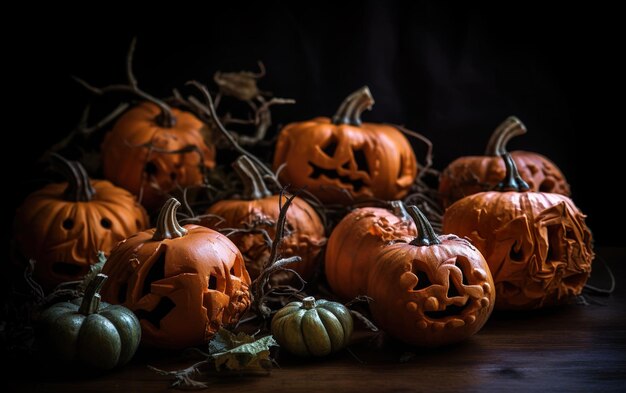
{"x": 79, "y": 188}
{"x": 167, "y": 226}
{"x": 350, "y": 110}
{"x": 91, "y": 298}
{"x": 308, "y": 303}
{"x": 253, "y": 184}
{"x": 512, "y": 180}
{"x": 165, "y": 119}
{"x": 508, "y": 129}
{"x": 398, "y": 209}
{"x": 426, "y": 235}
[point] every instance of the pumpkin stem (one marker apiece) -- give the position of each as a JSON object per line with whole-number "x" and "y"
{"x": 91, "y": 298}
{"x": 426, "y": 235}
{"x": 508, "y": 129}
{"x": 512, "y": 180}
{"x": 165, "y": 118}
{"x": 253, "y": 184}
{"x": 350, "y": 110}
{"x": 308, "y": 303}
{"x": 167, "y": 226}
{"x": 399, "y": 210}
{"x": 79, "y": 188}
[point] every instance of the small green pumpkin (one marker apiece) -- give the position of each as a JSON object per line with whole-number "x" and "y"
{"x": 89, "y": 332}
{"x": 311, "y": 328}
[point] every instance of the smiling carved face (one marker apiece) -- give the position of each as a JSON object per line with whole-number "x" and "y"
{"x": 431, "y": 295}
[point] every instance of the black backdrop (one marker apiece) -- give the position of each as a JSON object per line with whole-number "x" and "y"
{"x": 451, "y": 72}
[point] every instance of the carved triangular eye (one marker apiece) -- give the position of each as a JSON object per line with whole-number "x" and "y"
{"x": 331, "y": 147}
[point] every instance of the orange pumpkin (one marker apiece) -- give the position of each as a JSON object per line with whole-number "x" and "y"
{"x": 63, "y": 226}
{"x": 344, "y": 155}
{"x": 474, "y": 174}
{"x": 537, "y": 244}
{"x": 433, "y": 290}
{"x": 258, "y": 210}
{"x": 183, "y": 283}
{"x": 355, "y": 241}
{"x": 150, "y": 154}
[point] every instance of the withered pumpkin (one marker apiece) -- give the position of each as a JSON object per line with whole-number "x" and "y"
{"x": 154, "y": 148}
{"x": 63, "y": 226}
{"x": 473, "y": 174}
{"x": 183, "y": 283}
{"x": 344, "y": 155}
{"x": 537, "y": 244}
{"x": 434, "y": 290}
{"x": 355, "y": 241}
{"x": 258, "y": 209}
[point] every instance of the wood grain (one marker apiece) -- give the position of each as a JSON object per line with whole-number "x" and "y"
{"x": 572, "y": 348}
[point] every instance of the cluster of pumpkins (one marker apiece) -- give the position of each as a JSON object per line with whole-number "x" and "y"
{"x": 516, "y": 239}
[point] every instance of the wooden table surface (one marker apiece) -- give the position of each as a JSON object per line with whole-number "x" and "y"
{"x": 572, "y": 348}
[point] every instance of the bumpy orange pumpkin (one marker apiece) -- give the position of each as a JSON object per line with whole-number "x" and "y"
{"x": 432, "y": 291}
{"x": 183, "y": 283}
{"x": 362, "y": 159}
{"x": 537, "y": 244}
{"x": 474, "y": 174}
{"x": 259, "y": 210}
{"x": 63, "y": 226}
{"x": 355, "y": 241}
{"x": 152, "y": 149}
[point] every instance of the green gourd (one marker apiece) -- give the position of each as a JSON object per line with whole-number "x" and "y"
{"x": 311, "y": 328}
{"x": 89, "y": 332}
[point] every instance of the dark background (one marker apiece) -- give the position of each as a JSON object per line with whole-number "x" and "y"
{"x": 450, "y": 72}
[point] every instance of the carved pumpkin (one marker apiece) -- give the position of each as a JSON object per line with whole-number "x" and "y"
{"x": 63, "y": 226}
{"x": 355, "y": 241}
{"x": 332, "y": 157}
{"x": 432, "y": 291}
{"x": 153, "y": 148}
{"x": 474, "y": 174}
{"x": 183, "y": 283}
{"x": 89, "y": 332}
{"x": 259, "y": 209}
{"x": 537, "y": 244}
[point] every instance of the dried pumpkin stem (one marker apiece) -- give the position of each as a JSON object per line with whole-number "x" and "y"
{"x": 426, "y": 235}
{"x": 253, "y": 184}
{"x": 501, "y": 136}
{"x": 165, "y": 118}
{"x": 167, "y": 226}
{"x": 79, "y": 188}
{"x": 512, "y": 180}
{"x": 398, "y": 209}
{"x": 350, "y": 110}
{"x": 91, "y": 298}
{"x": 308, "y": 303}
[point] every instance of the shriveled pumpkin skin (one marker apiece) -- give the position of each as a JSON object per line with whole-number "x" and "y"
{"x": 149, "y": 159}
{"x": 63, "y": 232}
{"x": 334, "y": 156}
{"x": 313, "y": 327}
{"x": 537, "y": 244}
{"x": 183, "y": 286}
{"x": 354, "y": 243}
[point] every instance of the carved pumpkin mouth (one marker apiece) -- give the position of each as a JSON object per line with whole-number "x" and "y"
{"x": 451, "y": 310}
{"x": 155, "y": 316}
{"x": 357, "y": 184}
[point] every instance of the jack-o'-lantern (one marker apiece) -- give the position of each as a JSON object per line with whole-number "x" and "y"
{"x": 537, "y": 244}
{"x": 344, "y": 155}
{"x": 355, "y": 241}
{"x": 153, "y": 148}
{"x": 473, "y": 174}
{"x": 432, "y": 291}
{"x": 183, "y": 283}
{"x": 63, "y": 226}
{"x": 257, "y": 210}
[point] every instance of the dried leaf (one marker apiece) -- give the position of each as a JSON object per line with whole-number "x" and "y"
{"x": 241, "y": 352}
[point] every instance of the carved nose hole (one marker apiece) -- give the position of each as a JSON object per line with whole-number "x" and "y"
{"x": 331, "y": 147}
{"x": 422, "y": 280}
{"x": 212, "y": 282}
{"x": 361, "y": 160}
